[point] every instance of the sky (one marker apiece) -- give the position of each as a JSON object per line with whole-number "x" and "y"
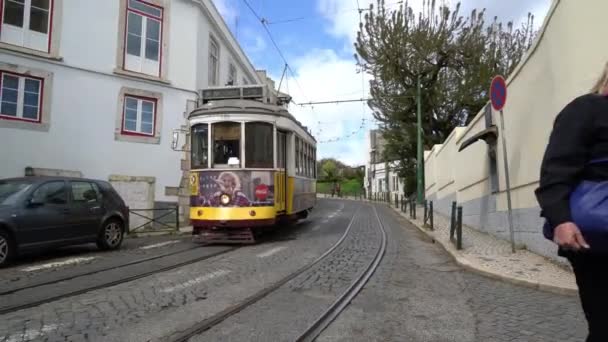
{"x": 316, "y": 38}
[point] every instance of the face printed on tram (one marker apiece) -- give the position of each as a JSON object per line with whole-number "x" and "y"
{"x": 229, "y": 183}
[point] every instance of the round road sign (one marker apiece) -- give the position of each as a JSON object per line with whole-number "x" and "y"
{"x": 498, "y": 93}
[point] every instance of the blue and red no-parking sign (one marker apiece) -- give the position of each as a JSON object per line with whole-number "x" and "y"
{"x": 498, "y": 93}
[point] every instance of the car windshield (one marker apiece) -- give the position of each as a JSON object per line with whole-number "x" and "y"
{"x": 10, "y": 190}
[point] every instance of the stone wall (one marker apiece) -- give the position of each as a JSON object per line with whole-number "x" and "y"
{"x": 137, "y": 192}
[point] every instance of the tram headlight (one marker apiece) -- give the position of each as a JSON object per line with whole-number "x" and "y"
{"x": 224, "y": 199}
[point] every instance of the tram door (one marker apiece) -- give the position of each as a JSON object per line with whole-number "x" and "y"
{"x": 281, "y": 178}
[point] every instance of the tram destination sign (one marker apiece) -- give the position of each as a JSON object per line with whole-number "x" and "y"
{"x": 228, "y": 93}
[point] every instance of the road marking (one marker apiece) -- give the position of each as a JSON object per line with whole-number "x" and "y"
{"x": 32, "y": 334}
{"x": 57, "y": 264}
{"x": 160, "y": 244}
{"x": 271, "y": 252}
{"x": 195, "y": 281}
{"x": 325, "y": 221}
{"x": 317, "y": 227}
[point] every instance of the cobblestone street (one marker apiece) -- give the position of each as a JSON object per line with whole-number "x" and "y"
{"x": 418, "y": 293}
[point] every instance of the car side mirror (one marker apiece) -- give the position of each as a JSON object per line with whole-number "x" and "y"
{"x": 34, "y": 202}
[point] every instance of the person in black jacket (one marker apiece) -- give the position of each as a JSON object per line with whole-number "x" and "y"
{"x": 580, "y": 134}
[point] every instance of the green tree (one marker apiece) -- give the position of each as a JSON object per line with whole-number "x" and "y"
{"x": 330, "y": 171}
{"x": 455, "y": 58}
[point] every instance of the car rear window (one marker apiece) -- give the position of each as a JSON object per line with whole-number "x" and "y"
{"x": 10, "y": 190}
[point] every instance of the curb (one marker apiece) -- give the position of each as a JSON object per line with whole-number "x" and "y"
{"x": 159, "y": 233}
{"x": 465, "y": 263}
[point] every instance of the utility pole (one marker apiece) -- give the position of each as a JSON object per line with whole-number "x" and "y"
{"x": 420, "y": 157}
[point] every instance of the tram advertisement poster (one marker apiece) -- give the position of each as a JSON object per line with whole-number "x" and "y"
{"x": 244, "y": 188}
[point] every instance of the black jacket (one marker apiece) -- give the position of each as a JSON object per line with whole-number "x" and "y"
{"x": 580, "y": 134}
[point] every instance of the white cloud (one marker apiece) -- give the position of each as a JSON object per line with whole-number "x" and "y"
{"x": 343, "y": 17}
{"x": 323, "y": 76}
{"x": 227, "y": 10}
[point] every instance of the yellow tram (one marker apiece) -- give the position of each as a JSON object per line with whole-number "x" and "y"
{"x": 252, "y": 164}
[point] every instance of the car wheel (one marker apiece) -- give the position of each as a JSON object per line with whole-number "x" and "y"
{"x": 7, "y": 248}
{"x": 111, "y": 235}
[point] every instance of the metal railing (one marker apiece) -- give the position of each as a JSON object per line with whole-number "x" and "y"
{"x": 157, "y": 220}
{"x": 405, "y": 203}
{"x": 456, "y": 226}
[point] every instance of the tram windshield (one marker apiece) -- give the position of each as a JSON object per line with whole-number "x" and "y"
{"x": 226, "y": 143}
{"x": 259, "y": 146}
{"x": 200, "y": 146}
{"x": 226, "y": 149}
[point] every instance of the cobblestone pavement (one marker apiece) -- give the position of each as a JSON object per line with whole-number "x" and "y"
{"x": 75, "y": 260}
{"x": 494, "y": 255}
{"x": 420, "y": 294}
{"x": 153, "y": 307}
{"x": 287, "y": 312}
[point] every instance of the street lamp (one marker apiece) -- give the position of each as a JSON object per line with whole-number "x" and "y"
{"x": 420, "y": 154}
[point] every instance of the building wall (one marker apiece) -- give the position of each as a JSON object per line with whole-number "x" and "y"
{"x": 564, "y": 62}
{"x": 87, "y": 87}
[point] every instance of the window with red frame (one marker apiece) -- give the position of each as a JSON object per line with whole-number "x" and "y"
{"x": 139, "y": 116}
{"x": 143, "y": 38}
{"x": 27, "y": 23}
{"x": 20, "y": 97}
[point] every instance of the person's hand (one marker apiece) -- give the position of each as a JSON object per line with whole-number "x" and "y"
{"x": 568, "y": 236}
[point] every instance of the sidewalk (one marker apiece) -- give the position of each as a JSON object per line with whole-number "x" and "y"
{"x": 490, "y": 256}
{"x": 187, "y": 230}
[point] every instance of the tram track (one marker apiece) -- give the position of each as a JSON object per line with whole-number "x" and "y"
{"x": 5, "y": 309}
{"x": 13, "y": 308}
{"x": 324, "y": 320}
{"x": 104, "y": 269}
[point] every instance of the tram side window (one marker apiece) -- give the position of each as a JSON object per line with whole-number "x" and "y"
{"x": 310, "y": 161}
{"x": 301, "y": 157}
{"x": 200, "y": 146}
{"x": 226, "y": 143}
{"x": 307, "y": 160}
{"x": 259, "y": 146}
{"x": 301, "y": 168}
{"x": 304, "y": 158}
{"x": 297, "y": 156}
{"x": 281, "y": 140}
{"x": 315, "y": 163}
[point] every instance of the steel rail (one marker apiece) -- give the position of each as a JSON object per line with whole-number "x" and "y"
{"x": 49, "y": 299}
{"x": 214, "y": 320}
{"x": 315, "y": 329}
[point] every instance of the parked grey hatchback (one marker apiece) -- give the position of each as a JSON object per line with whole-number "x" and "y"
{"x": 38, "y": 212}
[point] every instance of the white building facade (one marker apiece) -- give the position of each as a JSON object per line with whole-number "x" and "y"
{"x": 381, "y": 175}
{"x": 468, "y": 166}
{"x": 96, "y": 88}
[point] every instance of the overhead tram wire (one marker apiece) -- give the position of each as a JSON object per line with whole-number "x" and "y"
{"x": 312, "y": 103}
{"x": 318, "y": 17}
{"x": 264, "y": 23}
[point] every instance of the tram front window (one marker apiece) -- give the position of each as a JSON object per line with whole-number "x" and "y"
{"x": 226, "y": 142}
{"x": 200, "y": 143}
{"x": 259, "y": 147}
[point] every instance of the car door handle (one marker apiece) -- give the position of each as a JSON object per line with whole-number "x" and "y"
{"x": 94, "y": 208}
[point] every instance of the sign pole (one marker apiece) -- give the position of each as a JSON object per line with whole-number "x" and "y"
{"x": 507, "y": 180}
{"x": 419, "y": 147}
{"x": 498, "y": 97}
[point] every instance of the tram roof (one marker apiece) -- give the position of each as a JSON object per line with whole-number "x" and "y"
{"x": 243, "y": 106}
